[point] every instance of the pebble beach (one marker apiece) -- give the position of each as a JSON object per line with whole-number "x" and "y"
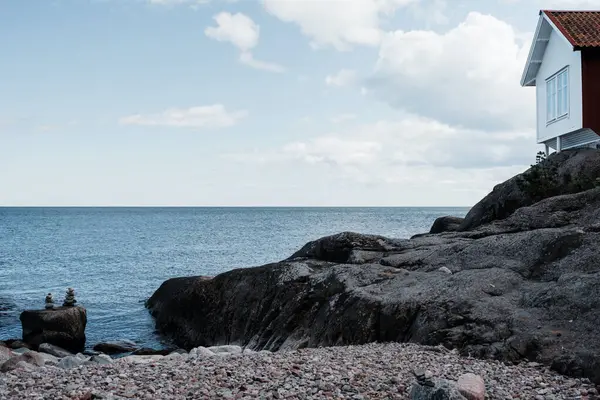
{"x": 373, "y": 371}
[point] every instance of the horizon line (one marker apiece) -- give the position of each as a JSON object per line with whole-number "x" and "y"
{"x": 230, "y": 206}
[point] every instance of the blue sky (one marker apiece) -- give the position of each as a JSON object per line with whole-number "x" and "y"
{"x": 297, "y": 102}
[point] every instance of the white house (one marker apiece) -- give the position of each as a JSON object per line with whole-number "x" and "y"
{"x": 564, "y": 67}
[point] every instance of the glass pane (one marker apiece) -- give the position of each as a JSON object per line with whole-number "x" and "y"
{"x": 549, "y": 100}
{"x": 559, "y": 101}
{"x": 565, "y": 100}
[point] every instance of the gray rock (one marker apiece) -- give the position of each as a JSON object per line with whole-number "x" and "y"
{"x": 228, "y": 349}
{"x": 23, "y": 365}
{"x": 446, "y": 224}
{"x": 63, "y": 327}
{"x": 31, "y": 357}
{"x": 19, "y": 344}
{"x": 441, "y": 390}
{"x": 445, "y": 270}
{"x": 116, "y": 347}
{"x": 201, "y": 352}
{"x": 21, "y": 350}
{"x": 175, "y": 356}
{"x": 561, "y": 173}
{"x": 517, "y": 284}
{"x": 5, "y": 354}
{"x": 101, "y": 359}
{"x": 471, "y": 386}
{"x": 49, "y": 359}
{"x": 71, "y": 362}
{"x": 146, "y": 351}
{"x": 140, "y": 359}
{"x": 54, "y": 350}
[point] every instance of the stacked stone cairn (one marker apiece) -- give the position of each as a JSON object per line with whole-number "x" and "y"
{"x": 49, "y": 302}
{"x": 423, "y": 377}
{"x": 70, "y": 298}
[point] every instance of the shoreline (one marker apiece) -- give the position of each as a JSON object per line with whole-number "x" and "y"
{"x": 370, "y": 371}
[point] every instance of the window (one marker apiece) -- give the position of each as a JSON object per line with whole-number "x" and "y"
{"x": 557, "y": 96}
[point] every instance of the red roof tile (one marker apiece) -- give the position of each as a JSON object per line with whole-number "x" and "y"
{"x": 581, "y": 28}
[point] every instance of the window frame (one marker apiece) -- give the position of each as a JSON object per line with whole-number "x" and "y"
{"x": 553, "y": 91}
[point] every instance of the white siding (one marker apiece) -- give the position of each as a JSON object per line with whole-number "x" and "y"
{"x": 578, "y": 138}
{"x": 558, "y": 55}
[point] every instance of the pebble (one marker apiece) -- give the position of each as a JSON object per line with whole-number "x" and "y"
{"x": 372, "y": 371}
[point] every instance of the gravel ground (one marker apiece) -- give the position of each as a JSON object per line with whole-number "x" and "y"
{"x": 374, "y": 371}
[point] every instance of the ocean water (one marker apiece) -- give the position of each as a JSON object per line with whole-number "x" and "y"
{"x": 115, "y": 258}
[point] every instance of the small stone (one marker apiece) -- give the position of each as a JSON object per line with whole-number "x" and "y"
{"x": 445, "y": 270}
{"x": 471, "y": 386}
{"x": 418, "y": 373}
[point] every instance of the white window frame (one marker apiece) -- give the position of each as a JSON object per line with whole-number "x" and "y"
{"x": 555, "y": 108}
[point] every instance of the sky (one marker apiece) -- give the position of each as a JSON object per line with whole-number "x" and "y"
{"x": 264, "y": 103}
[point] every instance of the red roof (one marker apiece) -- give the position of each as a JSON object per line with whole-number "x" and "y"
{"x": 581, "y": 28}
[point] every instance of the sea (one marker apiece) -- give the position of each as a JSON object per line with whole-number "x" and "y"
{"x": 115, "y": 258}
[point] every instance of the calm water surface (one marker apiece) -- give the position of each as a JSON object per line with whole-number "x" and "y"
{"x": 116, "y": 258}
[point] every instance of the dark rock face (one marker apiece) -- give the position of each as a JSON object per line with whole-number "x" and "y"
{"x": 567, "y": 172}
{"x": 524, "y": 287}
{"x": 116, "y": 347}
{"x": 446, "y": 224}
{"x": 63, "y": 327}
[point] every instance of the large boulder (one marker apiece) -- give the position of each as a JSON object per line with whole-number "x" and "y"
{"x": 567, "y": 172}
{"x": 526, "y": 287}
{"x": 63, "y": 327}
{"x": 446, "y": 224}
{"x": 524, "y": 283}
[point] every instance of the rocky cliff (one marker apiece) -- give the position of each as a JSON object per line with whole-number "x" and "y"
{"x": 522, "y": 283}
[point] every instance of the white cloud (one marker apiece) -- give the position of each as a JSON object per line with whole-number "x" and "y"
{"x": 417, "y": 160}
{"x": 340, "y": 24}
{"x": 335, "y": 150}
{"x": 413, "y": 141}
{"x": 241, "y": 31}
{"x": 344, "y": 77}
{"x": 248, "y": 59}
{"x": 237, "y": 29}
{"x": 213, "y": 116}
{"x": 467, "y": 76}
